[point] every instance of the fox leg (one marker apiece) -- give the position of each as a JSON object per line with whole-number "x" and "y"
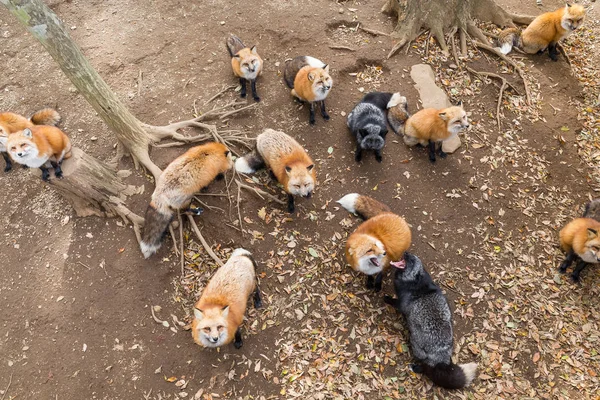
{"x": 378, "y": 280}
{"x": 431, "y": 151}
{"x": 324, "y": 111}
{"x": 290, "y": 204}
{"x": 8, "y": 162}
{"x": 442, "y": 153}
{"x": 578, "y": 268}
{"x": 553, "y": 52}
{"x": 57, "y": 169}
{"x": 194, "y": 210}
{"x": 568, "y": 261}
{"x": 378, "y": 156}
{"x": 237, "y": 341}
{"x": 370, "y": 284}
{"x": 45, "y": 174}
{"x": 253, "y": 87}
{"x": 358, "y": 153}
{"x": 257, "y": 299}
{"x": 311, "y": 119}
{"x": 243, "y": 91}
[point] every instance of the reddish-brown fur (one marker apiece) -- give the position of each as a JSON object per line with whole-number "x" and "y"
{"x": 575, "y": 235}
{"x": 236, "y": 62}
{"x": 427, "y": 124}
{"x": 305, "y": 80}
{"x": 297, "y": 160}
{"x": 49, "y": 140}
{"x": 11, "y": 122}
{"x": 547, "y": 28}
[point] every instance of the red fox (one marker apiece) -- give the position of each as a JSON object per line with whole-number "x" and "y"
{"x": 579, "y": 240}
{"x": 38, "y": 145}
{"x": 11, "y": 123}
{"x": 429, "y": 126}
{"x": 544, "y": 32}
{"x": 183, "y": 177}
{"x": 246, "y": 63}
{"x": 221, "y": 308}
{"x": 378, "y": 242}
{"x": 310, "y": 81}
{"x": 287, "y": 160}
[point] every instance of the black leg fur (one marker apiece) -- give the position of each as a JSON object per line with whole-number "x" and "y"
{"x": 358, "y": 153}
{"x": 243, "y": 91}
{"x": 567, "y": 262}
{"x": 290, "y": 204}
{"x": 57, "y": 170}
{"x": 378, "y": 280}
{"x": 442, "y": 153}
{"x": 257, "y": 299}
{"x": 253, "y": 87}
{"x": 238, "y": 342}
{"x": 378, "y": 156}
{"x": 219, "y": 177}
{"x": 311, "y": 118}
{"x": 8, "y": 162}
{"x": 370, "y": 284}
{"x": 324, "y": 111}
{"x": 194, "y": 210}
{"x": 45, "y": 174}
{"x": 431, "y": 151}
{"x": 553, "y": 52}
{"x": 578, "y": 268}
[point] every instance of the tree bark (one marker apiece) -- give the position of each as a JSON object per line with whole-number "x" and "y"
{"x": 45, "y": 26}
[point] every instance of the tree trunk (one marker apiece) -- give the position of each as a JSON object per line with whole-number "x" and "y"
{"x": 43, "y": 23}
{"x": 445, "y": 16}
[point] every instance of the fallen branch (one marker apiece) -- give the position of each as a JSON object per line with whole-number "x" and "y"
{"x": 172, "y": 233}
{"x": 335, "y": 47}
{"x": 563, "y": 52}
{"x": 7, "y": 387}
{"x": 224, "y": 90}
{"x": 373, "y": 31}
{"x": 206, "y": 246}
{"x": 260, "y": 192}
{"x": 181, "y": 244}
{"x": 502, "y": 87}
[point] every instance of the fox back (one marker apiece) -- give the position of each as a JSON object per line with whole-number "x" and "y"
{"x": 246, "y": 62}
{"x": 436, "y": 125}
{"x": 308, "y": 78}
{"x": 581, "y": 236}
{"x": 368, "y": 124}
{"x": 221, "y": 308}
{"x": 11, "y": 123}
{"x": 34, "y": 146}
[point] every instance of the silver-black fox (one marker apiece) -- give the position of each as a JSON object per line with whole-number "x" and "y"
{"x": 429, "y": 321}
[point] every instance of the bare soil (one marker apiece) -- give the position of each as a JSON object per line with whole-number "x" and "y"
{"x": 75, "y": 320}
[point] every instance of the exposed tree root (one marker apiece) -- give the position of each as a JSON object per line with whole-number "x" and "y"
{"x": 204, "y": 244}
{"x": 260, "y": 193}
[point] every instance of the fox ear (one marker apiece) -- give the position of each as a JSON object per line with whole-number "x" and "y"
{"x": 238, "y": 58}
{"x": 592, "y": 233}
{"x": 227, "y": 152}
{"x": 27, "y": 133}
{"x": 253, "y": 50}
{"x": 311, "y": 76}
{"x": 198, "y": 313}
{"x": 460, "y": 104}
{"x": 326, "y": 68}
{"x": 310, "y": 167}
{"x": 225, "y": 312}
{"x": 288, "y": 169}
{"x": 443, "y": 116}
{"x": 568, "y": 5}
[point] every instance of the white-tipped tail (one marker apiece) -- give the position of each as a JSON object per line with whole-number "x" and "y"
{"x": 349, "y": 202}
{"x": 505, "y": 48}
{"x": 240, "y": 252}
{"x": 469, "y": 370}
{"x": 314, "y": 62}
{"x": 241, "y": 165}
{"x": 395, "y": 100}
{"x": 148, "y": 249}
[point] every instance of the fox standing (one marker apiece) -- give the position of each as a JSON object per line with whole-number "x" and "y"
{"x": 378, "y": 242}
{"x": 183, "y": 177}
{"x": 287, "y": 160}
{"x": 221, "y": 308}
{"x": 246, "y": 63}
{"x": 11, "y": 123}
{"x": 429, "y": 321}
{"x": 39, "y": 145}
{"x": 310, "y": 81}
{"x": 430, "y": 126}
{"x": 544, "y": 32}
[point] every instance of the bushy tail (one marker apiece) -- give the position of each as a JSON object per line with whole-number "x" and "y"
{"x": 364, "y": 206}
{"x": 592, "y": 210}
{"x": 397, "y": 113}
{"x": 234, "y": 44}
{"x": 288, "y": 74}
{"x": 250, "y": 163}
{"x": 155, "y": 225}
{"x": 451, "y": 376}
{"x": 47, "y": 116}
{"x": 507, "y": 39}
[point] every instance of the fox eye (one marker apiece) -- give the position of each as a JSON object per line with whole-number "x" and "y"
{"x": 297, "y": 186}
{"x": 207, "y": 330}
{"x": 595, "y": 248}
{"x": 220, "y": 327}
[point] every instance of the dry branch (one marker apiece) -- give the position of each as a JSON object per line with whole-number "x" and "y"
{"x": 204, "y": 244}
{"x": 373, "y": 31}
{"x": 336, "y": 47}
{"x": 260, "y": 192}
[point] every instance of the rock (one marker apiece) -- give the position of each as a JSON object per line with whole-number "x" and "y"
{"x": 451, "y": 144}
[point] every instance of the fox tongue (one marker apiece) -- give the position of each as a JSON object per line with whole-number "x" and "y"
{"x": 398, "y": 264}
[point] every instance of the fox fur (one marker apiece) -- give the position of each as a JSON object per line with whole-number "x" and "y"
{"x": 367, "y": 121}
{"x": 246, "y": 64}
{"x": 592, "y": 210}
{"x": 220, "y": 311}
{"x": 309, "y": 81}
{"x": 378, "y": 242}
{"x": 430, "y": 126}
{"x": 544, "y": 32}
{"x": 287, "y": 160}
{"x": 11, "y": 123}
{"x": 38, "y": 146}
{"x": 183, "y": 177}
{"x": 580, "y": 240}
{"x": 429, "y": 321}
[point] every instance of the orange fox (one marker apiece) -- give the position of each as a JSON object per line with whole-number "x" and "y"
{"x": 183, "y": 177}
{"x": 378, "y": 242}
{"x": 246, "y": 63}
{"x": 580, "y": 240}
{"x": 287, "y": 160}
{"x": 38, "y": 145}
{"x": 429, "y": 126}
{"x": 310, "y": 81}
{"x": 221, "y": 308}
{"x": 544, "y": 32}
{"x": 11, "y": 123}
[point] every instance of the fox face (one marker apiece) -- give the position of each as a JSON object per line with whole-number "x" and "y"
{"x": 371, "y": 137}
{"x": 321, "y": 82}
{"x": 408, "y": 268}
{"x": 300, "y": 180}
{"x": 212, "y": 326}
{"x": 591, "y": 248}
{"x": 21, "y": 147}
{"x": 250, "y": 62}
{"x": 455, "y": 118}
{"x": 370, "y": 255}
{"x": 573, "y": 17}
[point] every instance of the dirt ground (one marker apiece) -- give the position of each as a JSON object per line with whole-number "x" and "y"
{"x": 76, "y": 293}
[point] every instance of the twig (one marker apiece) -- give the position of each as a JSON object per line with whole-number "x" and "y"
{"x": 207, "y": 205}
{"x": 502, "y": 87}
{"x": 260, "y": 192}
{"x": 239, "y": 196}
{"x": 563, "y": 52}
{"x": 463, "y": 42}
{"x": 206, "y": 246}
{"x": 224, "y": 90}
{"x": 373, "y": 31}
{"x": 230, "y": 113}
{"x": 210, "y": 194}
{"x": 83, "y": 265}
{"x": 454, "y": 53}
{"x": 7, "y": 387}
{"x": 427, "y": 45}
{"x": 140, "y": 75}
{"x": 336, "y": 47}
{"x": 181, "y": 244}
{"x": 172, "y": 233}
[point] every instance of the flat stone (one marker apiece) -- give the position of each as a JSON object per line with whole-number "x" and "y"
{"x": 451, "y": 144}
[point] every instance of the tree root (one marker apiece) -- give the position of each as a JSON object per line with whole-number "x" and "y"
{"x": 204, "y": 244}
{"x": 260, "y": 193}
{"x": 502, "y": 87}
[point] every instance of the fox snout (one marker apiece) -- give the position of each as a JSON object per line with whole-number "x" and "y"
{"x": 214, "y": 339}
{"x": 308, "y": 195}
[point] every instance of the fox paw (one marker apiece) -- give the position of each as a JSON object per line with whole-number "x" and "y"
{"x": 575, "y": 278}
{"x": 563, "y": 268}
{"x": 256, "y": 98}
{"x": 7, "y": 168}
